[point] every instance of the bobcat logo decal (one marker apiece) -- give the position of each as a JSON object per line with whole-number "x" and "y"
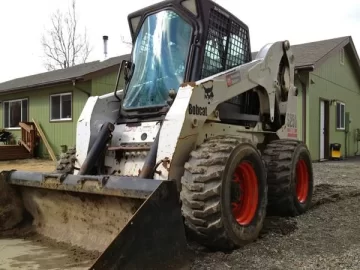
{"x": 208, "y": 91}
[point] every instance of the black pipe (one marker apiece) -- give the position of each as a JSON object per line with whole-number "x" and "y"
{"x": 96, "y": 149}
{"x": 80, "y": 89}
{"x": 303, "y": 96}
{"x": 150, "y": 162}
{"x": 357, "y": 141}
{"x": 117, "y": 80}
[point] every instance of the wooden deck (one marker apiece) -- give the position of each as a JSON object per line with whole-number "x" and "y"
{"x": 13, "y": 152}
{"x": 26, "y": 146}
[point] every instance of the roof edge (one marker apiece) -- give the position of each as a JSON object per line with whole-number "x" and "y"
{"x": 352, "y": 45}
{"x": 39, "y": 85}
{"x": 348, "y": 41}
{"x": 332, "y": 52}
{"x": 305, "y": 68}
{"x": 101, "y": 72}
{"x": 82, "y": 76}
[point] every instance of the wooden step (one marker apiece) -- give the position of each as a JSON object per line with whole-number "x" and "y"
{"x": 13, "y": 152}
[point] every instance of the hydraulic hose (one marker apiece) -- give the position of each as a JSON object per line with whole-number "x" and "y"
{"x": 97, "y": 148}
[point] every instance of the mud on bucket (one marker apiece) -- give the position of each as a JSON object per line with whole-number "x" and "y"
{"x": 11, "y": 206}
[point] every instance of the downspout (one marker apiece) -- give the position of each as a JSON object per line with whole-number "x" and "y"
{"x": 81, "y": 90}
{"x": 357, "y": 141}
{"x": 303, "y": 103}
{"x": 346, "y": 139}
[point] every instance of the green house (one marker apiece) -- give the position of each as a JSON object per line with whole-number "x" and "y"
{"x": 327, "y": 76}
{"x": 55, "y": 100}
{"x": 329, "y": 73}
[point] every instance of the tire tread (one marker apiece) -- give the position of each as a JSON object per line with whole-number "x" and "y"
{"x": 278, "y": 157}
{"x": 201, "y": 192}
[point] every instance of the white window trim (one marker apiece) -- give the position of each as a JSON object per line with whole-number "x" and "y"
{"x": 61, "y": 119}
{"x": 342, "y": 121}
{"x": 10, "y": 101}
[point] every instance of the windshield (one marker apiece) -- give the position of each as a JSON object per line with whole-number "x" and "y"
{"x": 160, "y": 53}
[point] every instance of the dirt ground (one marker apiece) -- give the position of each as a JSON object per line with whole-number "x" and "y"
{"x": 327, "y": 237}
{"x": 35, "y": 165}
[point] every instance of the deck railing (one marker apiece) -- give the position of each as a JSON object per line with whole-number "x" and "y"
{"x": 28, "y": 136}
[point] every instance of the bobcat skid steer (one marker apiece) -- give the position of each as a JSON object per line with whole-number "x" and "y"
{"x": 200, "y": 144}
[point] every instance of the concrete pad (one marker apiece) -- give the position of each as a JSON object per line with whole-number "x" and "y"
{"x": 21, "y": 254}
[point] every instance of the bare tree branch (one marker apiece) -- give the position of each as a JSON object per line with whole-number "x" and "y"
{"x": 62, "y": 44}
{"x": 128, "y": 43}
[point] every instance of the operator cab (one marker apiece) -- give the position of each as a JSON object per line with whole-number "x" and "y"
{"x": 159, "y": 55}
{"x": 178, "y": 41}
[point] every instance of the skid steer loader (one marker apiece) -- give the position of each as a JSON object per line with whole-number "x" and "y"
{"x": 200, "y": 144}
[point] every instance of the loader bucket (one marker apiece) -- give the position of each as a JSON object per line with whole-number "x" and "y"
{"x": 132, "y": 223}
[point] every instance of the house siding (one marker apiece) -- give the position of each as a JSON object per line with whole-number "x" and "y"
{"x": 333, "y": 81}
{"x": 57, "y": 133}
{"x": 106, "y": 84}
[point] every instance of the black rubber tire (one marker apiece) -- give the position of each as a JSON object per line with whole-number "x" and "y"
{"x": 281, "y": 157}
{"x": 205, "y": 194}
{"x": 66, "y": 164}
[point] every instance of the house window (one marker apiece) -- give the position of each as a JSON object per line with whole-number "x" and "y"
{"x": 61, "y": 107}
{"x": 15, "y": 111}
{"x": 340, "y": 115}
{"x": 342, "y": 56}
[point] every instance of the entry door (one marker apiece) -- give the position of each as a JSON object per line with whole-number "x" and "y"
{"x": 322, "y": 129}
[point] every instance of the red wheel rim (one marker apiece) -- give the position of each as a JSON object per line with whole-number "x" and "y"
{"x": 302, "y": 181}
{"x": 244, "y": 194}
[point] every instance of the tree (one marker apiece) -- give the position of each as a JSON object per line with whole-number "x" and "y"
{"x": 126, "y": 42}
{"x": 63, "y": 45}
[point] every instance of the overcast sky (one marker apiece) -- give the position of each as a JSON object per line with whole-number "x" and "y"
{"x": 22, "y": 23}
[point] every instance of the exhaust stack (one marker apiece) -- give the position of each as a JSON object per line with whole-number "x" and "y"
{"x": 105, "y": 39}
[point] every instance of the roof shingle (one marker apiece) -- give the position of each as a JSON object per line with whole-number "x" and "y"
{"x": 307, "y": 54}
{"x": 60, "y": 75}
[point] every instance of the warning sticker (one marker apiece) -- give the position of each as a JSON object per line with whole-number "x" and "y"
{"x": 233, "y": 78}
{"x": 292, "y": 132}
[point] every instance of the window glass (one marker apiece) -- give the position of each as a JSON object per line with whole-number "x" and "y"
{"x": 15, "y": 111}
{"x": 66, "y": 106}
{"x": 160, "y": 55}
{"x": 24, "y": 111}
{"x": 340, "y": 115}
{"x": 6, "y": 114}
{"x": 55, "y": 107}
{"x": 227, "y": 45}
{"x": 61, "y": 107}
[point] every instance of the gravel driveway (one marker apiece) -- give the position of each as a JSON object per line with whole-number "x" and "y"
{"x": 326, "y": 237}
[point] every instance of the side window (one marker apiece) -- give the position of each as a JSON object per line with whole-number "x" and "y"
{"x": 342, "y": 56}
{"x": 213, "y": 60}
{"x": 61, "y": 107}
{"x": 227, "y": 45}
{"x": 340, "y": 116}
{"x": 15, "y": 111}
{"x": 236, "y": 53}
